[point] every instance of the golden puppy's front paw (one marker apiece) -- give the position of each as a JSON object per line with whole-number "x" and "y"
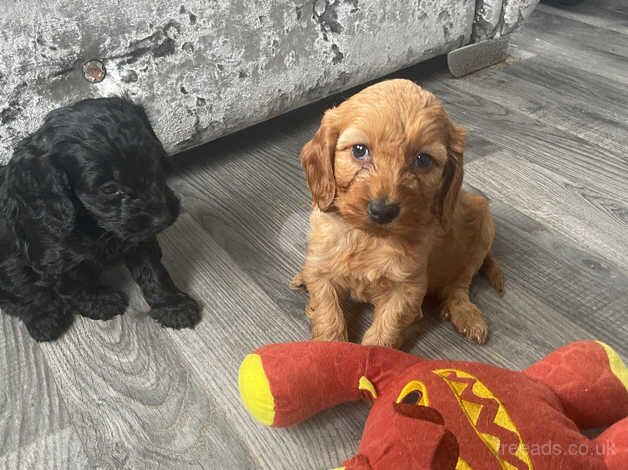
{"x": 329, "y": 335}
{"x": 327, "y": 327}
{"x": 373, "y": 338}
{"x": 469, "y": 321}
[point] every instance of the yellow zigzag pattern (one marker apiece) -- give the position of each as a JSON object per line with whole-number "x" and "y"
{"x": 473, "y": 411}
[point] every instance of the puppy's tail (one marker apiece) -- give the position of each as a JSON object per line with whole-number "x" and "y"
{"x": 493, "y": 273}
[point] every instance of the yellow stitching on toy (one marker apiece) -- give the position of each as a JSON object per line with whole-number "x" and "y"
{"x": 461, "y": 464}
{"x": 618, "y": 368}
{"x": 255, "y": 389}
{"x": 366, "y": 385}
{"x": 472, "y": 412}
{"x": 414, "y": 386}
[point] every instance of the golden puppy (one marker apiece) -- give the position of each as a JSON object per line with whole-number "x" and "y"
{"x": 390, "y": 222}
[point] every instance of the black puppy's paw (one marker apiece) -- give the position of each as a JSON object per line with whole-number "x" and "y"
{"x": 49, "y": 325}
{"x": 177, "y": 311}
{"x": 102, "y": 304}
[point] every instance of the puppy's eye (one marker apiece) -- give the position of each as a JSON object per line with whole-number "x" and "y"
{"x": 360, "y": 152}
{"x": 110, "y": 188}
{"x": 423, "y": 160}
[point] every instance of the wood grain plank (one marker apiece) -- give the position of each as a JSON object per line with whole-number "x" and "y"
{"x": 588, "y": 37}
{"x": 581, "y": 286}
{"x": 61, "y": 450}
{"x": 611, "y": 15}
{"x": 257, "y": 220}
{"x": 591, "y": 51}
{"x": 582, "y": 214}
{"x": 31, "y": 405}
{"x": 592, "y": 108}
{"x": 568, "y": 155}
{"x": 606, "y": 96}
{"x": 477, "y": 146}
{"x": 239, "y": 318}
{"x": 133, "y": 398}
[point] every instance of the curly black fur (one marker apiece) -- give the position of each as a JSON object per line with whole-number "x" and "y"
{"x": 85, "y": 191}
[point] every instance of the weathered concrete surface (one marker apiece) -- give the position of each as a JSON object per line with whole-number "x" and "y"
{"x": 497, "y": 18}
{"x": 205, "y": 68}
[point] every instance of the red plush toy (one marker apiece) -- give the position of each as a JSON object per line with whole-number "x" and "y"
{"x": 451, "y": 414}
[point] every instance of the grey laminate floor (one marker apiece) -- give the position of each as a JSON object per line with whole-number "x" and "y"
{"x": 548, "y": 146}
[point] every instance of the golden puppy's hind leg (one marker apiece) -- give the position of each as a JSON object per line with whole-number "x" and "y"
{"x": 490, "y": 268}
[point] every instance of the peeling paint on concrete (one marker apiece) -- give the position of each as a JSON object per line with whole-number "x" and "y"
{"x": 206, "y": 68}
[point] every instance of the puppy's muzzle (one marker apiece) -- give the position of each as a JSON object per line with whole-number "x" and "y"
{"x": 382, "y": 212}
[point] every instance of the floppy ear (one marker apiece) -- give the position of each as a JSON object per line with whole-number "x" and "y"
{"x": 164, "y": 160}
{"x": 317, "y": 158}
{"x": 40, "y": 195}
{"x": 452, "y": 176}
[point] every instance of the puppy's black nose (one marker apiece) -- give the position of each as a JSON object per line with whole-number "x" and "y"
{"x": 382, "y": 212}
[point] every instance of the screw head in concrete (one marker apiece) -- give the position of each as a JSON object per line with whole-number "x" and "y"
{"x": 94, "y": 71}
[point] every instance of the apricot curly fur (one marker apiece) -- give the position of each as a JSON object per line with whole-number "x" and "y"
{"x": 440, "y": 239}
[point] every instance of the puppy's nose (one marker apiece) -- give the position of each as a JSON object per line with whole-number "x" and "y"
{"x": 382, "y": 212}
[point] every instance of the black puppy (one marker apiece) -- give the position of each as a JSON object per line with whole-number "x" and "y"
{"x": 85, "y": 191}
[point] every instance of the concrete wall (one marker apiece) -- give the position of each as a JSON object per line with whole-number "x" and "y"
{"x": 205, "y": 68}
